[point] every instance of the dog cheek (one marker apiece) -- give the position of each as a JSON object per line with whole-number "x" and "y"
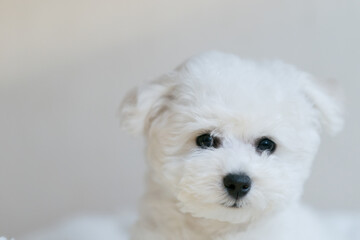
{"x": 275, "y": 184}
{"x": 201, "y": 181}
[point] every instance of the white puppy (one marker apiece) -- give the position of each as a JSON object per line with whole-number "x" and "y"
{"x": 230, "y": 144}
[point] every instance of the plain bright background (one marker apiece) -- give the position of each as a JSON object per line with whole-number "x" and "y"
{"x": 65, "y": 66}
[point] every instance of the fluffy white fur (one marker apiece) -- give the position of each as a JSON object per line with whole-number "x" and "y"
{"x": 238, "y": 101}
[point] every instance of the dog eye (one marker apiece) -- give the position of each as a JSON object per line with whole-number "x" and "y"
{"x": 265, "y": 144}
{"x": 207, "y": 141}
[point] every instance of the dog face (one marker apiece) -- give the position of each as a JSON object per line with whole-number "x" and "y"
{"x": 231, "y": 139}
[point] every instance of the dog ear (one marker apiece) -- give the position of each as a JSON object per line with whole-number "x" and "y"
{"x": 143, "y": 104}
{"x": 326, "y": 98}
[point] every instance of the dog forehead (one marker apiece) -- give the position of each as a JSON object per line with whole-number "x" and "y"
{"x": 225, "y": 80}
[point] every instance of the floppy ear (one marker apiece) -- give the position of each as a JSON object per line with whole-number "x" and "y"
{"x": 326, "y": 99}
{"x": 141, "y": 105}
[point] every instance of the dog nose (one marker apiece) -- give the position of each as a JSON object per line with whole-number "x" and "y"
{"x": 237, "y": 185}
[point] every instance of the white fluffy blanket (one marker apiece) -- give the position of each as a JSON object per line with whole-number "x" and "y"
{"x": 117, "y": 228}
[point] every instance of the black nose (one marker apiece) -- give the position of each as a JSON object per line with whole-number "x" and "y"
{"x": 237, "y": 185}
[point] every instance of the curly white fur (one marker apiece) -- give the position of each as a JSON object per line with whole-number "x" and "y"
{"x": 238, "y": 101}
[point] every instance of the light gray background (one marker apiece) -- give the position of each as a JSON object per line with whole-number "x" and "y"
{"x": 65, "y": 66}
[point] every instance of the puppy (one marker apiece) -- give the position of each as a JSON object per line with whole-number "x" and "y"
{"x": 230, "y": 143}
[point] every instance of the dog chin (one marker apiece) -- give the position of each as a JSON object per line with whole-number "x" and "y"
{"x": 235, "y": 213}
{"x": 236, "y": 204}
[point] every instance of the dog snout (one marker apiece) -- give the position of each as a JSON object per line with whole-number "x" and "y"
{"x": 237, "y": 185}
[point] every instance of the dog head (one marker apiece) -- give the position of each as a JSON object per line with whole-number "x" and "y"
{"x": 231, "y": 139}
